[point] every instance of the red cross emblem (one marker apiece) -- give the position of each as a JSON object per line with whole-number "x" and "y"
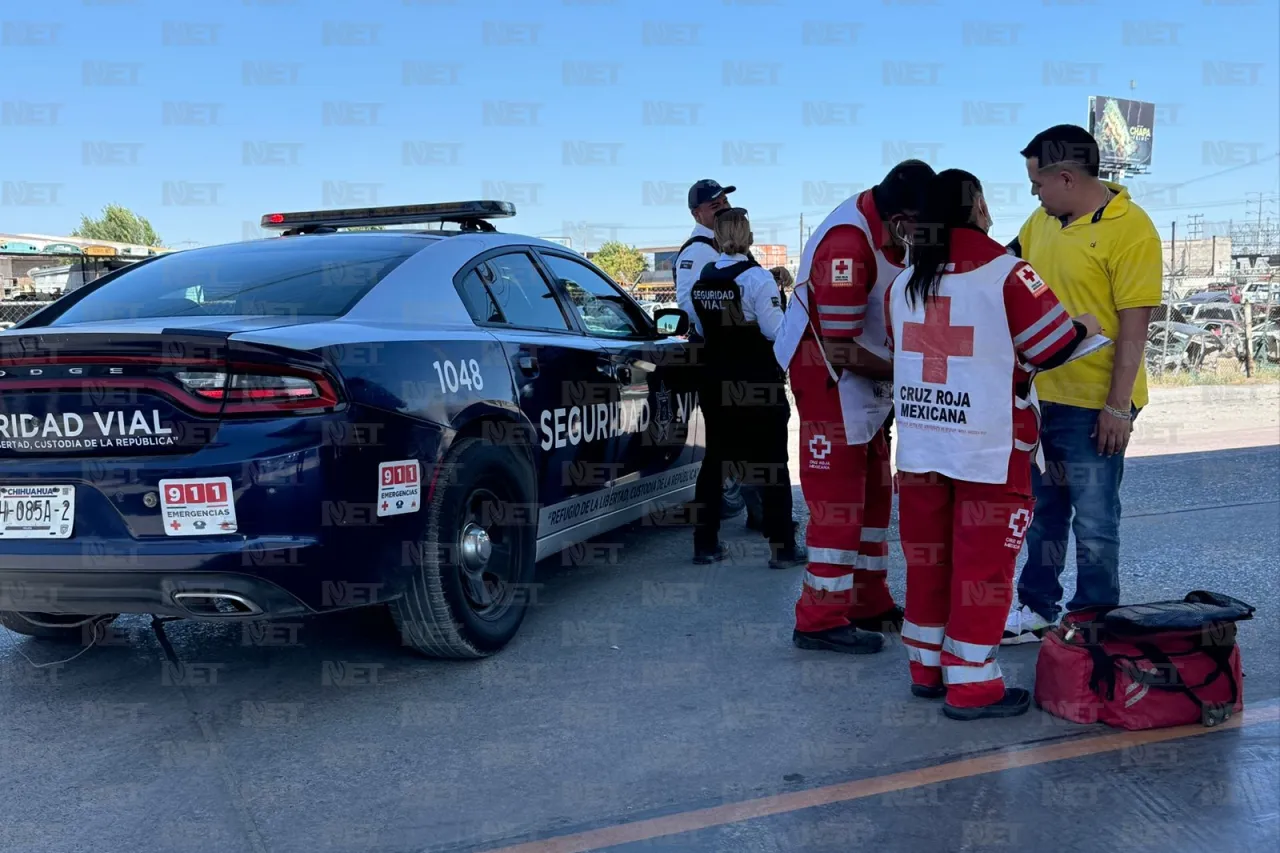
{"x": 175, "y": 524}
{"x": 937, "y": 340}
{"x": 1019, "y": 521}
{"x": 1030, "y": 279}
{"x": 385, "y": 505}
{"x": 841, "y": 271}
{"x": 819, "y": 446}
{"x": 226, "y": 525}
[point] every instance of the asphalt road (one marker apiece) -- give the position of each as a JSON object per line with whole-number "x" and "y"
{"x": 640, "y": 685}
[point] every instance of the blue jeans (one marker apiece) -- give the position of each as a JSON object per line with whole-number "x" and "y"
{"x": 1075, "y": 478}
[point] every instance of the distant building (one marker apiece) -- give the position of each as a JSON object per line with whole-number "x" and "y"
{"x": 1192, "y": 265}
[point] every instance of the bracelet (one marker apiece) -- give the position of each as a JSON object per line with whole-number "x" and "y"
{"x": 1116, "y": 413}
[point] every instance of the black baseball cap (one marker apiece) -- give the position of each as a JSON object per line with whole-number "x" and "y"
{"x": 706, "y": 190}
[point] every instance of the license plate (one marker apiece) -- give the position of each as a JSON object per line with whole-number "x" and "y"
{"x": 37, "y": 512}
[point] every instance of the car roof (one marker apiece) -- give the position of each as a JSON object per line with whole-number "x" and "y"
{"x": 425, "y": 281}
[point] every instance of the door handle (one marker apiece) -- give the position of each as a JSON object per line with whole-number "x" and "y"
{"x": 623, "y": 374}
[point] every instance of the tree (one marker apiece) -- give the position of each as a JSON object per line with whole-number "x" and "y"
{"x": 622, "y": 262}
{"x": 118, "y": 225}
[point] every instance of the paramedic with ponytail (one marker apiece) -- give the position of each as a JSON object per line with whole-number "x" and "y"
{"x": 970, "y": 325}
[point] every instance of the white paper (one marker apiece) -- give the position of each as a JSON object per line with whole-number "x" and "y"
{"x": 1089, "y": 346}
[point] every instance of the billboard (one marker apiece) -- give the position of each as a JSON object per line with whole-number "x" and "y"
{"x": 1123, "y": 129}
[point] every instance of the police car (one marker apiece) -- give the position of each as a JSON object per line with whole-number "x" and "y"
{"x": 334, "y": 418}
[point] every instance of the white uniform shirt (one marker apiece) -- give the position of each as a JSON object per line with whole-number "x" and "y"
{"x": 688, "y": 267}
{"x": 761, "y": 301}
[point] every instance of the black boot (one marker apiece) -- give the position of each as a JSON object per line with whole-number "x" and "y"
{"x": 702, "y": 556}
{"x": 1016, "y": 701}
{"x": 789, "y": 556}
{"x": 929, "y": 691}
{"x": 889, "y": 622}
{"x": 846, "y": 639}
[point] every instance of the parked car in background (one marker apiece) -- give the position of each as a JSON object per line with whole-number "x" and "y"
{"x": 1208, "y": 296}
{"x": 1261, "y": 292}
{"x": 1205, "y": 311}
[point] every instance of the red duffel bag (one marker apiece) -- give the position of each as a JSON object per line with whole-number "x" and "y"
{"x": 1145, "y": 666}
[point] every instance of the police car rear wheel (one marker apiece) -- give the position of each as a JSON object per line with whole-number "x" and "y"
{"x": 466, "y": 599}
{"x": 54, "y": 627}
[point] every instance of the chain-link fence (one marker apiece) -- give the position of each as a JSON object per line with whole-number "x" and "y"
{"x": 12, "y": 312}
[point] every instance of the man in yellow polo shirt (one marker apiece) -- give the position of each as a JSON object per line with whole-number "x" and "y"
{"x": 1101, "y": 255}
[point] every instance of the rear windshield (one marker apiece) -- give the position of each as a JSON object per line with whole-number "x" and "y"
{"x": 318, "y": 275}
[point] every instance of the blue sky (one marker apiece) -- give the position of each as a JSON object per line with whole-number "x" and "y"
{"x": 203, "y": 116}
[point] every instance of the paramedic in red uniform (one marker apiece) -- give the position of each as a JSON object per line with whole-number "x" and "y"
{"x": 970, "y": 325}
{"x": 833, "y": 345}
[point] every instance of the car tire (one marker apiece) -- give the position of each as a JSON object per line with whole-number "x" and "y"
{"x": 53, "y": 627}
{"x": 732, "y": 503}
{"x": 460, "y": 601}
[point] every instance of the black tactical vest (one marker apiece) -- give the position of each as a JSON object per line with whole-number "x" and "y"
{"x": 735, "y": 347}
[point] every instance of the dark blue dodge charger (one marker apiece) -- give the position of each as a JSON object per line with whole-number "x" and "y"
{"x": 334, "y": 418}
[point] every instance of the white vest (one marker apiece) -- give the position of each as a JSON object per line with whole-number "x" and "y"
{"x": 954, "y": 413}
{"x": 865, "y": 403}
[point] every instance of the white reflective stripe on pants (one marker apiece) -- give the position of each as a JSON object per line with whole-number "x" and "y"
{"x": 928, "y": 634}
{"x": 971, "y": 674}
{"x": 925, "y": 657}
{"x": 971, "y": 652}
{"x": 875, "y": 534}
{"x": 870, "y": 564}
{"x": 844, "y": 583}
{"x": 834, "y": 556}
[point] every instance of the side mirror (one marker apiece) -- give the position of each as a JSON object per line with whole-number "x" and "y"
{"x": 671, "y": 322}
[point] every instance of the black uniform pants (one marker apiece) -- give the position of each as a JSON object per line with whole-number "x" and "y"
{"x": 748, "y": 442}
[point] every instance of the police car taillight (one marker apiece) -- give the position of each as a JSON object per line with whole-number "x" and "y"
{"x": 251, "y": 389}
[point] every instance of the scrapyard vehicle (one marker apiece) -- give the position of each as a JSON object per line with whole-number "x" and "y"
{"x": 1181, "y": 346}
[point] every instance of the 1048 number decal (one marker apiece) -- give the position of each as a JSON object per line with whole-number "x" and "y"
{"x": 464, "y": 374}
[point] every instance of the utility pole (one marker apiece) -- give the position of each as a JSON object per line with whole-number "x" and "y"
{"x": 1256, "y": 243}
{"x": 1195, "y": 226}
{"x": 1168, "y": 308}
{"x": 802, "y": 234}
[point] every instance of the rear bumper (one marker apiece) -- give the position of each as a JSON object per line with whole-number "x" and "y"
{"x": 176, "y": 583}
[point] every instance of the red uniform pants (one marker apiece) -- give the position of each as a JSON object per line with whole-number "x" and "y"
{"x": 961, "y": 541}
{"x": 849, "y": 491}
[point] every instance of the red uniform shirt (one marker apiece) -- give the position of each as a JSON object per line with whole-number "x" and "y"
{"x": 842, "y": 273}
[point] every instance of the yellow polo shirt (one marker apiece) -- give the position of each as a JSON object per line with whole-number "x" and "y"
{"x": 1096, "y": 265}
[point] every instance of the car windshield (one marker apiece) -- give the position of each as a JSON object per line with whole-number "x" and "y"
{"x": 321, "y": 275}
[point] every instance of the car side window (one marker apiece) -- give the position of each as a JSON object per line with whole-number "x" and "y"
{"x": 509, "y": 289}
{"x": 479, "y": 302}
{"x": 599, "y": 303}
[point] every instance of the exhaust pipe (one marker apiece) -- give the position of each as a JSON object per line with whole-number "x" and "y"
{"x": 216, "y": 604}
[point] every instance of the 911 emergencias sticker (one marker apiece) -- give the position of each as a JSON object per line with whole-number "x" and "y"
{"x": 399, "y": 487}
{"x": 197, "y": 507}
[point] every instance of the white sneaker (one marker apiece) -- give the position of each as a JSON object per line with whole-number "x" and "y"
{"x": 1024, "y": 625}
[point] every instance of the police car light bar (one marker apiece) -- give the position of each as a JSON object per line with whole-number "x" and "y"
{"x": 466, "y": 212}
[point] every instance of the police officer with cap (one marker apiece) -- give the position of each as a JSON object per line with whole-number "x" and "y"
{"x": 706, "y": 199}
{"x": 742, "y": 394}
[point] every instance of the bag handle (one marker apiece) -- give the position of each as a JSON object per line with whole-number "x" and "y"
{"x": 1211, "y": 714}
